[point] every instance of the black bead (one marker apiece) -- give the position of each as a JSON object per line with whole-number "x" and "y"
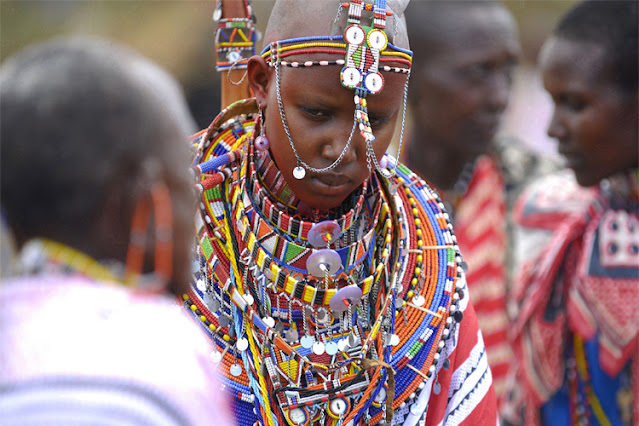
{"x": 458, "y": 315}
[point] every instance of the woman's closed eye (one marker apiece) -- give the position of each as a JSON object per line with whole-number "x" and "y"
{"x": 316, "y": 113}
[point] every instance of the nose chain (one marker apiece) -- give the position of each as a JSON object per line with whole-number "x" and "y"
{"x": 371, "y": 159}
{"x": 302, "y": 166}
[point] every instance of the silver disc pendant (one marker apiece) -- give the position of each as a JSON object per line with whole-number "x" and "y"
{"x": 223, "y": 321}
{"x": 216, "y": 357}
{"x": 236, "y": 370}
{"x": 342, "y": 345}
{"x": 318, "y": 348}
{"x": 299, "y": 172}
{"x": 307, "y": 341}
{"x": 419, "y": 300}
{"x": 291, "y": 336}
{"x": 437, "y": 388}
{"x": 211, "y": 302}
{"x": 242, "y": 344}
{"x": 331, "y": 348}
{"x": 269, "y": 321}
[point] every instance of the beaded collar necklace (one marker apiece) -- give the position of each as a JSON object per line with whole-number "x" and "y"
{"x": 414, "y": 307}
{"x": 296, "y": 228}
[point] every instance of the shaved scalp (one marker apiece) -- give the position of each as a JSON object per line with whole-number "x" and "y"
{"x": 433, "y": 24}
{"x": 304, "y": 18}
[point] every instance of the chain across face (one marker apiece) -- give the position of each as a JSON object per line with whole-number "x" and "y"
{"x": 366, "y": 48}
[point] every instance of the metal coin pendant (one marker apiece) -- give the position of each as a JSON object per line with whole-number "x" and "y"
{"x": 331, "y": 348}
{"x": 291, "y": 336}
{"x": 211, "y": 302}
{"x": 242, "y": 344}
{"x": 345, "y": 297}
{"x": 324, "y": 262}
{"x": 318, "y": 348}
{"x": 299, "y": 172}
{"x": 249, "y": 299}
{"x": 216, "y": 357}
{"x": 318, "y": 234}
{"x": 223, "y": 321}
{"x": 342, "y": 345}
{"x": 307, "y": 341}
{"x": 236, "y": 370}
{"x": 419, "y": 300}
{"x": 437, "y": 388}
{"x": 338, "y": 407}
{"x": 269, "y": 321}
{"x": 394, "y": 340}
{"x": 380, "y": 398}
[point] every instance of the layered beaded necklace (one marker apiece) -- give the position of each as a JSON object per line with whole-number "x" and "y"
{"x": 319, "y": 318}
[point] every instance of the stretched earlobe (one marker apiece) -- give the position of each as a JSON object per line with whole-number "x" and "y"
{"x": 259, "y": 74}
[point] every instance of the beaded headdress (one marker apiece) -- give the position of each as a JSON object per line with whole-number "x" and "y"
{"x": 366, "y": 51}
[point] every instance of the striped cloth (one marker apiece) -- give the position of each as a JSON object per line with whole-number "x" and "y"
{"x": 480, "y": 226}
{"x": 76, "y": 352}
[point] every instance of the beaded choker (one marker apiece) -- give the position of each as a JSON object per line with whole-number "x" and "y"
{"x": 296, "y": 228}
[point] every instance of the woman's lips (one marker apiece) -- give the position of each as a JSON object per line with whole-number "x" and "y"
{"x": 331, "y": 184}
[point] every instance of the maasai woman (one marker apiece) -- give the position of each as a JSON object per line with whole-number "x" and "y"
{"x": 328, "y": 275}
{"x": 576, "y": 337}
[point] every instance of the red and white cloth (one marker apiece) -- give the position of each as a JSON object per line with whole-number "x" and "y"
{"x": 480, "y": 227}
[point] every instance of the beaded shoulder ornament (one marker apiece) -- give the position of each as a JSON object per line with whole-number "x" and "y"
{"x": 332, "y": 320}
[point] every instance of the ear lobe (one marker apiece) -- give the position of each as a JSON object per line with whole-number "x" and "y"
{"x": 259, "y": 74}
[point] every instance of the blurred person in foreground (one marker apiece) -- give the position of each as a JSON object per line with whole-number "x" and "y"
{"x": 576, "y": 334}
{"x": 96, "y": 190}
{"x": 465, "y": 57}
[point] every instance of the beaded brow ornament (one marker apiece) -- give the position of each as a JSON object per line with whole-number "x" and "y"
{"x": 366, "y": 48}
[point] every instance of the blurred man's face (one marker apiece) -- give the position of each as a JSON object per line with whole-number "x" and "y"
{"x": 464, "y": 87}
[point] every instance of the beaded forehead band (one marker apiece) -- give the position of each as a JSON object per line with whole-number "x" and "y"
{"x": 365, "y": 50}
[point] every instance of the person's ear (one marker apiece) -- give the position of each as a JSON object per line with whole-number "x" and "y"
{"x": 259, "y": 75}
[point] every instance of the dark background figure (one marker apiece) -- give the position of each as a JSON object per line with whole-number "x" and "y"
{"x": 92, "y": 134}
{"x": 180, "y": 35}
{"x": 576, "y": 334}
{"x": 466, "y": 53}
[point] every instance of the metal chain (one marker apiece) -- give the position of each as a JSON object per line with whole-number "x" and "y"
{"x": 371, "y": 158}
{"x": 290, "y": 139}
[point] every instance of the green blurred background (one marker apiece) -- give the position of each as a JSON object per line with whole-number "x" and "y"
{"x": 179, "y": 36}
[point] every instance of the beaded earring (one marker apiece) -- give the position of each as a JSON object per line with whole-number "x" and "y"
{"x": 261, "y": 141}
{"x": 160, "y": 208}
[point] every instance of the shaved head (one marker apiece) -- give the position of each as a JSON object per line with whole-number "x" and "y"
{"x": 304, "y": 18}
{"x": 438, "y": 26}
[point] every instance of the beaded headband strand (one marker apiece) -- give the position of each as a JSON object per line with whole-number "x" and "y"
{"x": 365, "y": 48}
